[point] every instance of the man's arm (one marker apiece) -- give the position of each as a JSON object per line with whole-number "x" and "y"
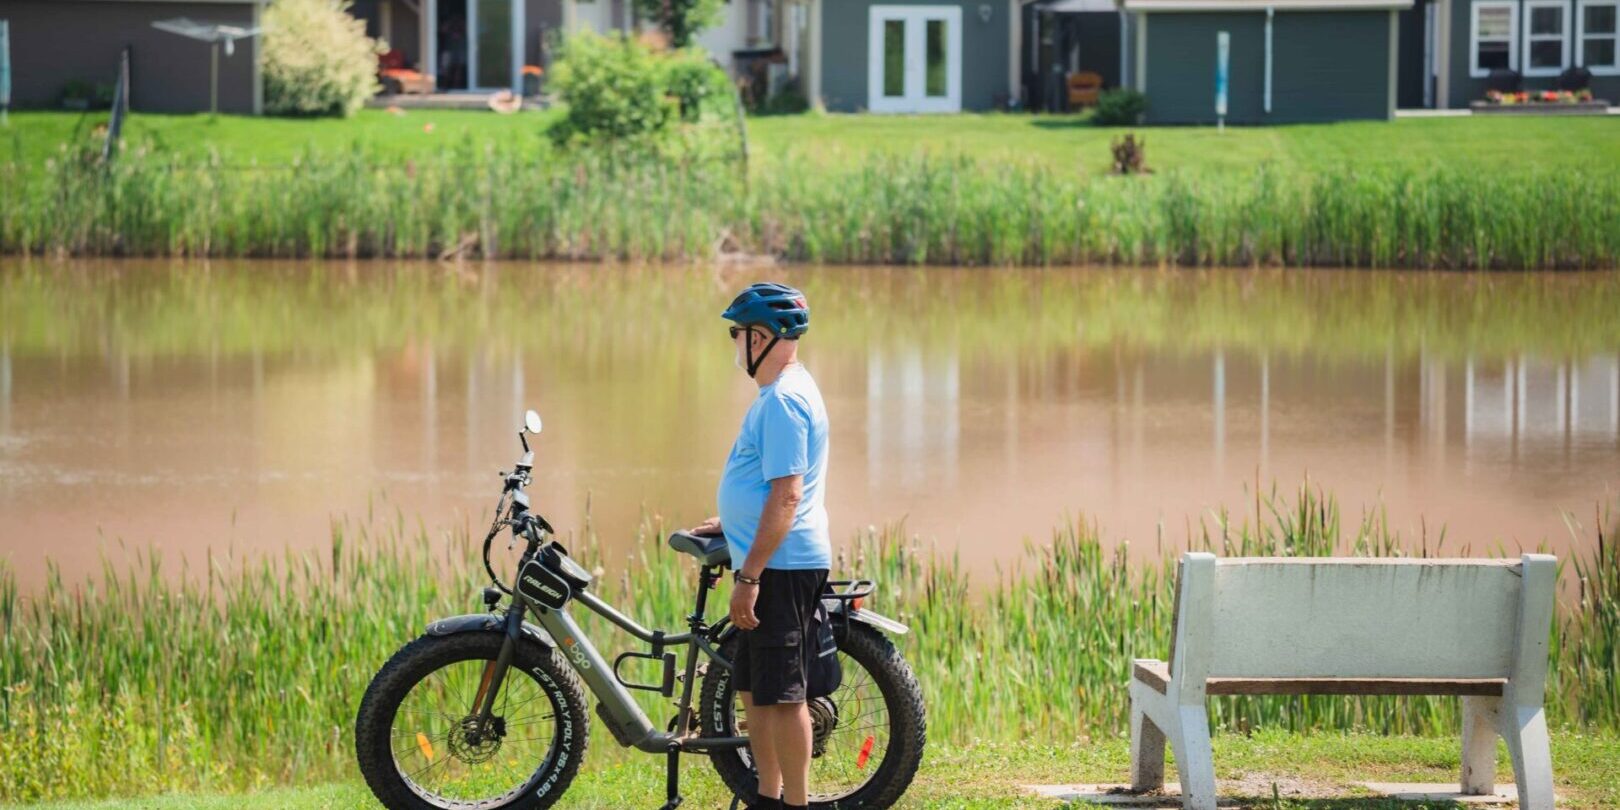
{"x": 781, "y": 504}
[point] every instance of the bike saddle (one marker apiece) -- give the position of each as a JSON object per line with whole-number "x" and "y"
{"x": 708, "y": 549}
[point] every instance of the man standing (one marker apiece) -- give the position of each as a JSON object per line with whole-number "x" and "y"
{"x": 775, "y": 522}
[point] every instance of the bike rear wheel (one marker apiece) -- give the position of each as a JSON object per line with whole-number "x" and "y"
{"x": 869, "y": 734}
{"x": 421, "y": 747}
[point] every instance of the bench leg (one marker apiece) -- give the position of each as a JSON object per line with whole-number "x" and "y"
{"x": 1195, "y": 759}
{"x": 1525, "y": 730}
{"x": 1147, "y": 752}
{"x": 1479, "y": 745}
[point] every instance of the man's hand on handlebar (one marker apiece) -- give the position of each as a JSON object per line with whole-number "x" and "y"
{"x": 707, "y": 528}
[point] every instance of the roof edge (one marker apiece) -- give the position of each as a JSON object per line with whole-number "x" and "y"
{"x": 1262, "y": 5}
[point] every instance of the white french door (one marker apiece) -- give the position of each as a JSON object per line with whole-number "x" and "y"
{"x": 915, "y": 59}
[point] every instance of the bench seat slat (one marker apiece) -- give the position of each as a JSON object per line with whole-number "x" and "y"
{"x": 1156, "y": 674}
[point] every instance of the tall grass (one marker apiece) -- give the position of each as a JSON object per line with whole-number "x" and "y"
{"x": 878, "y": 208}
{"x": 245, "y": 673}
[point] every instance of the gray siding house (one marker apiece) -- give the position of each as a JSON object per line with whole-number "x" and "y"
{"x": 914, "y": 56}
{"x": 1290, "y": 61}
{"x": 57, "y": 42}
{"x": 1449, "y": 47}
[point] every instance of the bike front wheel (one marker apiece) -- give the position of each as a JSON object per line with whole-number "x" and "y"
{"x": 421, "y": 745}
{"x": 868, "y": 735}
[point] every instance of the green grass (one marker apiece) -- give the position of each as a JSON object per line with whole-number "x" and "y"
{"x": 245, "y": 674}
{"x": 994, "y": 775}
{"x": 976, "y": 190}
{"x": 1063, "y": 142}
{"x": 240, "y": 140}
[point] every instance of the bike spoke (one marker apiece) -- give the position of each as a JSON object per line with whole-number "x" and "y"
{"x": 453, "y": 771}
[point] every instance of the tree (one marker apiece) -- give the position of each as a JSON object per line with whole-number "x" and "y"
{"x": 680, "y": 19}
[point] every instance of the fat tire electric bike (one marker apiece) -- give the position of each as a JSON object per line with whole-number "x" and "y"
{"x": 486, "y": 711}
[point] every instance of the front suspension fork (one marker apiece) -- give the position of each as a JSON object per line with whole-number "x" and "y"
{"x": 489, "y": 686}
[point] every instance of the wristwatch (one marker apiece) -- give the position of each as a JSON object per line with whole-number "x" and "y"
{"x": 744, "y": 579}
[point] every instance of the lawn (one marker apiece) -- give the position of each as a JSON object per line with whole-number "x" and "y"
{"x": 1311, "y": 772}
{"x": 1063, "y": 141}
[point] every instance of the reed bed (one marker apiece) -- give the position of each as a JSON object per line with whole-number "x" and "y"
{"x": 242, "y": 674}
{"x": 502, "y": 202}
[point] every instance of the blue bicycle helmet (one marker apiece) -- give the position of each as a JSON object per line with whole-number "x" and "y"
{"x": 777, "y": 307}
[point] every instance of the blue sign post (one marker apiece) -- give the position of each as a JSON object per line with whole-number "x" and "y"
{"x": 1223, "y": 61}
{"x": 5, "y": 71}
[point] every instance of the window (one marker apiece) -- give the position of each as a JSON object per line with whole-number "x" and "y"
{"x": 1546, "y": 37}
{"x": 1597, "y": 36}
{"x": 1492, "y": 34}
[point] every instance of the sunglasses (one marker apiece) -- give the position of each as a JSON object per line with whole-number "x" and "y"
{"x": 737, "y": 330}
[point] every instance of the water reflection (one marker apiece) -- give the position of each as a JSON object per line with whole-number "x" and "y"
{"x": 248, "y": 405}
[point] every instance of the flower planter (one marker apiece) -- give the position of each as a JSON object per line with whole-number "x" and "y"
{"x": 1594, "y": 107}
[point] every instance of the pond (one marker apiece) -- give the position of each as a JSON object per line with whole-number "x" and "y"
{"x": 248, "y": 405}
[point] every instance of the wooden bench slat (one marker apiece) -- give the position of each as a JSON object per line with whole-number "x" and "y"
{"x": 1157, "y": 675}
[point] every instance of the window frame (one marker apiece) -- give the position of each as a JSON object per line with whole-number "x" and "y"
{"x": 1512, "y": 6}
{"x": 1612, "y": 69}
{"x": 1530, "y": 38}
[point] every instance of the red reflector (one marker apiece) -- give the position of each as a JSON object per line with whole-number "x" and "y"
{"x": 857, "y": 602}
{"x": 866, "y": 753}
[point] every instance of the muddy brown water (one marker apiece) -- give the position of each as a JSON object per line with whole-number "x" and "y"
{"x": 246, "y": 405}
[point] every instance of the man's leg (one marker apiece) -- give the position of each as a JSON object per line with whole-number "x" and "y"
{"x": 791, "y": 728}
{"x": 762, "y": 741}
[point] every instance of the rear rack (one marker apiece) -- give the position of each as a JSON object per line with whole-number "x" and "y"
{"x": 848, "y": 590}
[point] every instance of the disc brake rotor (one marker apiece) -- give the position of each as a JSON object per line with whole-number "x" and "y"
{"x": 474, "y": 745}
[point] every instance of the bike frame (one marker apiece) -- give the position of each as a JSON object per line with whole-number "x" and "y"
{"x": 618, "y": 710}
{"x": 624, "y": 718}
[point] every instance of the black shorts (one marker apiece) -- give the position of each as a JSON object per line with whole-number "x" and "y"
{"x": 773, "y": 659}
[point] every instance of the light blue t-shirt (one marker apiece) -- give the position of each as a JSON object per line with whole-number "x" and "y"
{"x": 784, "y": 433}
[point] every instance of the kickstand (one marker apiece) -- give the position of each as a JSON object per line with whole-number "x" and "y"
{"x": 673, "y": 780}
{"x": 736, "y": 802}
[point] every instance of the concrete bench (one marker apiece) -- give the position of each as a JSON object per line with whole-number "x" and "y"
{"x": 1285, "y": 626}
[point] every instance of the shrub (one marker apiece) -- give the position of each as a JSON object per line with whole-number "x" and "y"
{"x": 790, "y": 100}
{"x": 622, "y": 89}
{"x": 697, "y": 84}
{"x": 317, "y": 58}
{"x": 615, "y": 88}
{"x": 1120, "y": 108}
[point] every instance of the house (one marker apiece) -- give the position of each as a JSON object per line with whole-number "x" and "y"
{"x": 913, "y": 56}
{"x": 56, "y": 44}
{"x": 465, "y": 45}
{"x": 1453, "y": 45}
{"x": 484, "y": 44}
{"x": 1290, "y": 61}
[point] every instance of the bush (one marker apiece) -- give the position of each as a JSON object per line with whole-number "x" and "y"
{"x": 1120, "y": 108}
{"x": 614, "y": 88}
{"x": 317, "y": 58}
{"x": 697, "y": 84}
{"x": 790, "y": 100}
{"x": 620, "y": 89}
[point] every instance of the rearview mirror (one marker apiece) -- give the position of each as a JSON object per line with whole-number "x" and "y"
{"x": 531, "y": 421}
